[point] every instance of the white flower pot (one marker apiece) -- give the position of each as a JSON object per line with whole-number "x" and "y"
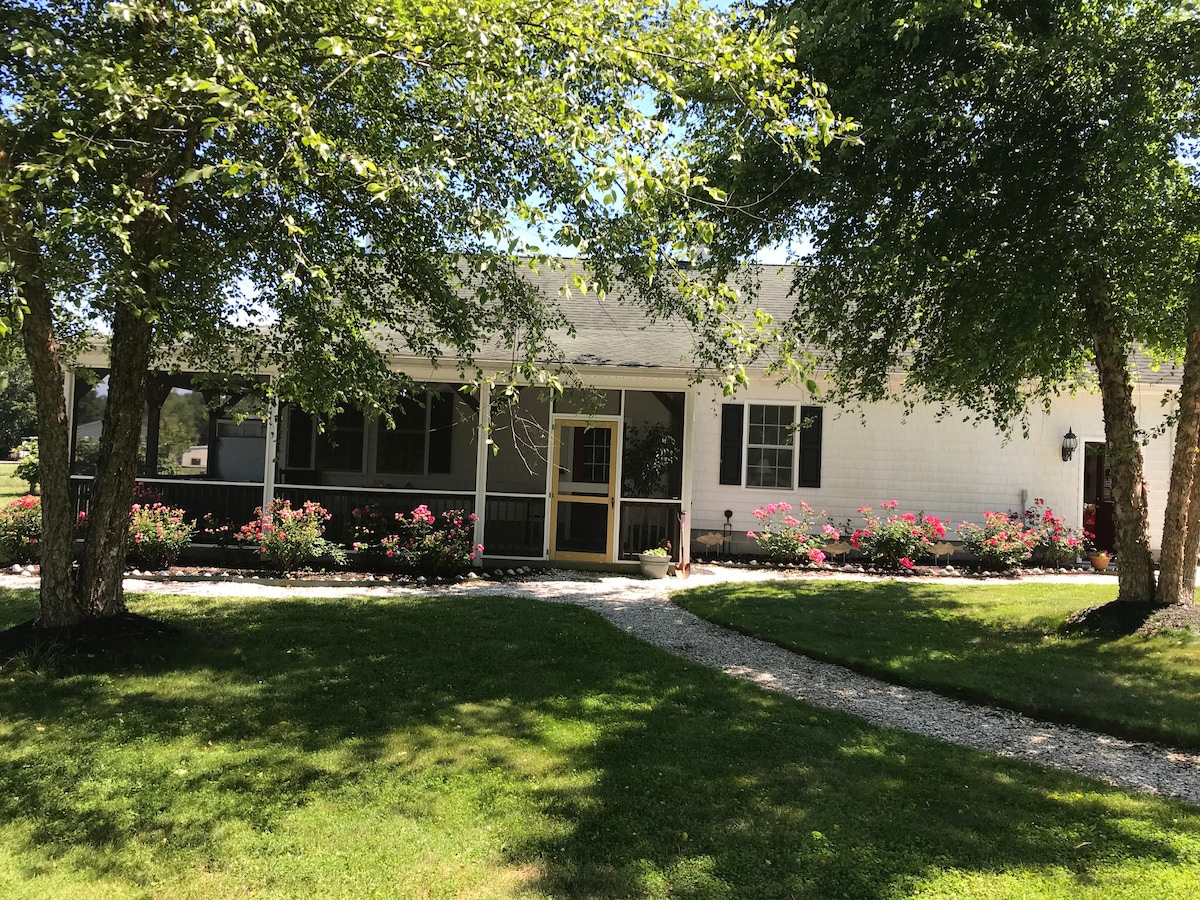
{"x": 654, "y": 566}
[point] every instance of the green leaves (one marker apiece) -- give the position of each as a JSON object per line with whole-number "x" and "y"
{"x": 193, "y": 175}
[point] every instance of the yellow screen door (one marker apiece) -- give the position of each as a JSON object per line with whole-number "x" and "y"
{"x": 582, "y": 500}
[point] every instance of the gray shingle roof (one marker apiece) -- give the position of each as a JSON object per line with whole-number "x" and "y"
{"x": 616, "y": 330}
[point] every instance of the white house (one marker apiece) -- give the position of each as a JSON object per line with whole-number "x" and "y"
{"x": 649, "y": 454}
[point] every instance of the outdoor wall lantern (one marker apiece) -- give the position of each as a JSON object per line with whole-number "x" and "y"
{"x": 1070, "y": 442}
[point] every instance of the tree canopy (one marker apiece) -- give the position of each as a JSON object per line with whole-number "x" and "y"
{"x": 1019, "y": 217}
{"x": 303, "y": 187}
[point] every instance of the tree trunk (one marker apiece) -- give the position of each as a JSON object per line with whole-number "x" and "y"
{"x": 1191, "y": 547}
{"x": 1123, "y": 457}
{"x": 100, "y": 590}
{"x": 57, "y": 601}
{"x": 1181, "y": 531}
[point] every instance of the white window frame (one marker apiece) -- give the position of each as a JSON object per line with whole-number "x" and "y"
{"x": 791, "y": 446}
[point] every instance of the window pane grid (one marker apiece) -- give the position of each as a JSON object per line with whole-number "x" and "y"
{"x": 769, "y": 453}
{"x": 596, "y": 456}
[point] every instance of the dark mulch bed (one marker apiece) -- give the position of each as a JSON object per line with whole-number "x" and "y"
{"x": 1177, "y": 616}
{"x": 94, "y": 638}
{"x": 1118, "y": 618}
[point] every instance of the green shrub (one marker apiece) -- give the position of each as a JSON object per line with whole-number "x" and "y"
{"x": 29, "y": 469}
{"x": 288, "y": 538}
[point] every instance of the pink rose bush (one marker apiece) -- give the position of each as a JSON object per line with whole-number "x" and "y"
{"x": 419, "y": 543}
{"x": 786, "y": 534}
{"x": 896, "y": 539}
{"x": 157, "y": 534}
{"x": 21, "y": 530}
{"x": 1001, "y": 542}
{"x": 289, "y": 538}
{"x": 1055, "y": 542}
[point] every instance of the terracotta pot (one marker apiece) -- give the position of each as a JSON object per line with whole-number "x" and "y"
{"x": 1099, "y": 561}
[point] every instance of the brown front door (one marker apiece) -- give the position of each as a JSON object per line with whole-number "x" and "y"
{"x": 583, "y": 495}
{"x": 1097, "y": 498}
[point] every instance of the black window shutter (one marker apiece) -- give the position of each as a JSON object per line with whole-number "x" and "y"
{"x": 732, "y": 415}
{"x": 810, "y": 446}
{"x": 441, "y": 427}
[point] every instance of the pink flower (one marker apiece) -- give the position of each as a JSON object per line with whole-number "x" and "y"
{"x": 750, "y": 534}
{"x": 815, "y": 555}
{"x": 907, "y": 563}
{"x": 830, "y": 530}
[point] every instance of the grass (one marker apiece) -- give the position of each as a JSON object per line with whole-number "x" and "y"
{"x": 498, "y": 747}
{"x": 995, "y": 643}
{"x": 10, "y": 485}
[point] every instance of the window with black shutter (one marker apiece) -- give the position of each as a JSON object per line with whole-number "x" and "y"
{"x": 811, "y": 421}
{"x": 731, "y": 442}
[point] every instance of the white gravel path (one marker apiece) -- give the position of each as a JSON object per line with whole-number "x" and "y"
{"x": 642, "y": 608}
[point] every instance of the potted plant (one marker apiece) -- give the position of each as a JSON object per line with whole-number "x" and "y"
{"x": 1098, "y": 558}
{"x": 655, "y": 562}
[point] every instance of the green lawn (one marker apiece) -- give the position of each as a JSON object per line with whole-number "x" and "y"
{"x": 495, "y": 747}
{"x": 10, "y": 485}
{"x": 996, "y": 643}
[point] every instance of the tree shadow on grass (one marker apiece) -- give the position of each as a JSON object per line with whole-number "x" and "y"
{"x": 627, "y": 772}
{"x": 924, "y": 636}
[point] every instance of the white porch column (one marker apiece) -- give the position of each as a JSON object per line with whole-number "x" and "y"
{"x": 272, "y": 450}
{"x": 69, "y": 397}
{"x": 685, "y": 488}
{"x": 482, "y": 451}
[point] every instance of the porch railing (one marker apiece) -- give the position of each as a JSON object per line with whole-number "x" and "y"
{"x": 646, "y": 524}
{"x": 340, "y": 503}
{"x": 229, "y": 501}
{"x": 515, "y": 526}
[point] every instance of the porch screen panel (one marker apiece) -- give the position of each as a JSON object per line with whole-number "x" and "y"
{"x": 340, "y": 448}
{"x": 400, "y": 450}
{"x": 652, "y": 445}
{"x": 520, "y": 435}
{"x": 300, "y": 435}
{"x": 515, "y": 526}
{"x": 441, "y": 430}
